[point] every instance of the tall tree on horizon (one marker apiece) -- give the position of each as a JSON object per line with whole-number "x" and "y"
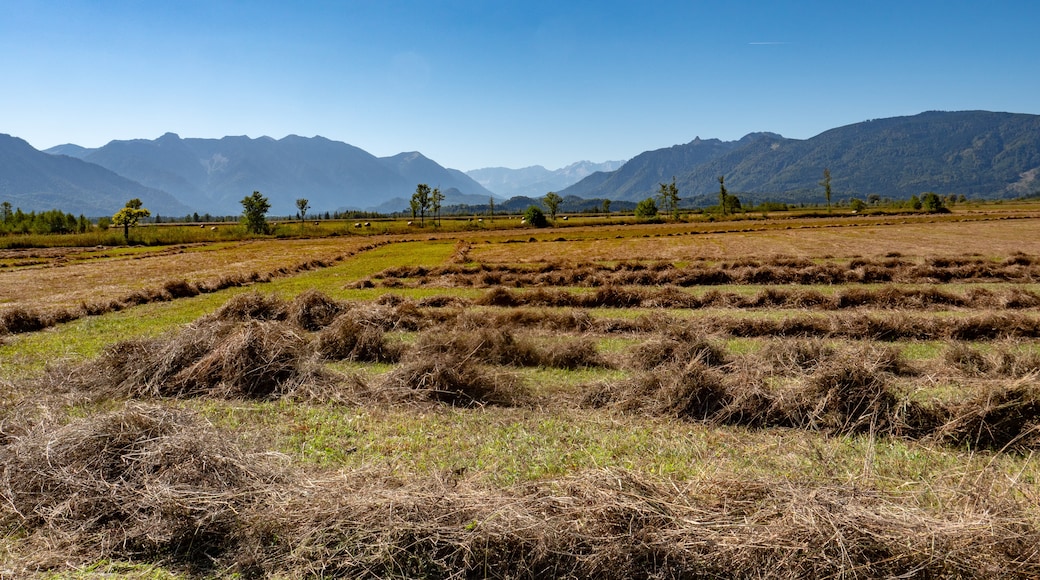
{"x": 254, "y": 213}
{"x": 826, "y": 183}
{"x": 129, "y": 216}
{"x": 552, "y": 201}
{"x": 421, "y": 197}
{"x": 668, "y": 193}
{"x": 722, "y": 194}
{"x": 436, "y": 197}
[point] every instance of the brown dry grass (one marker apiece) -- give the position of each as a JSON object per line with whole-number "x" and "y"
{"x": 808, "y": 238}
{"x": 109, "y": 280}
{"x": 151, "y": 484}
{"x": 159, "y": 485}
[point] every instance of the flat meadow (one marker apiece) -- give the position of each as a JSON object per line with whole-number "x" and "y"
{"x": 850, "y": 397}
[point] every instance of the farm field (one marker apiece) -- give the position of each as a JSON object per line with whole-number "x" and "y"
{"x": 782, "y": 398}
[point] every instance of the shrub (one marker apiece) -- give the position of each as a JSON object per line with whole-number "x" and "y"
{"x": 646, "y": 209}
{"x": 535, "y": 217}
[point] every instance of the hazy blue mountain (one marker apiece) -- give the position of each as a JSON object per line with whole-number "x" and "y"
{"x": 70, "y": 149}
{"x": 644, "y": 172}
{"x": 536, "y": 180}
{"x": 452, "y": 197}
{"x": 36, "y": 181}
{"x": 416, "y": 169}
{"x": 213, "y": 175}
{"x": 976, "y": 153}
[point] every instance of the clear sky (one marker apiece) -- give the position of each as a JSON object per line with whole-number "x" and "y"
{"x": 476, "y": 84}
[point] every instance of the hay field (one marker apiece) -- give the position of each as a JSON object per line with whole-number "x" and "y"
{"x": 785, "y": 399}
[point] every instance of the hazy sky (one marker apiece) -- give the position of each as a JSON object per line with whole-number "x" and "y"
{"x": 475, "y": 84}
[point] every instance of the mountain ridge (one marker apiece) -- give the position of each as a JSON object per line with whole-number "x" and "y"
{"x": 36, "y": 181}
{"x": 977, "y": 153}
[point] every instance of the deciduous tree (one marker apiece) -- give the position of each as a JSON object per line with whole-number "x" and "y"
{"x": 302, "y": 205}
{"x": 421, "y": 197}
{"x": 129, "y": 216}
{"x": 254, "y": 213}
{"x": 552, "y": 202}
{"x": 722, "y": 194}
{"x": 535, "y": 217}
{"x": 826, "y": 183}
{"x": 668, "y": 194}
{"x": 436, "y": 197}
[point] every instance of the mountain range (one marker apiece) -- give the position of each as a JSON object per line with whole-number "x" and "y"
{"x": 536, "y": 181}
{"x": 35, "y": 181}
{"x": 212, "y": 174}
{"x": 976, "y": 153}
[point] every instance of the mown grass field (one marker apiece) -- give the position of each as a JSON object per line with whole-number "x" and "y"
{"x": 853, "y": 397}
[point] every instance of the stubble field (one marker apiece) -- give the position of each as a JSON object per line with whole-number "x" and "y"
{"x": 778, "y": 398}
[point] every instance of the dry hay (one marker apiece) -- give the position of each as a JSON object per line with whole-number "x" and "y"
{"x": 427, "y": 375}
{"x": 795, "y": 355}
{"x": 770, "y": 271}
{"x": 1001, "y": 416}
{"x": 19, "y": 319}
{"x": 617, "y": 524}
{"x": 501, "y": 346}
{"x": 851, "y": 395}
{"x": 313, "y": 310}
{"x": 251, "y": 306}
{"x": 348, "y": 338}
{"x": 142, "y": 482}
{"x": 677, "y": 349}
{"x": 691, "y": 391}
{"x": 163, "y": 486}
{"x": 249, "y": 359}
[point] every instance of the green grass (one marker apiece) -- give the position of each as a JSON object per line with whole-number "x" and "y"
{"x": 504, "y": 447}
{"x": 334, "y": 280}
{"x": 108, "y": 569}
{"x": 22, "y": 355}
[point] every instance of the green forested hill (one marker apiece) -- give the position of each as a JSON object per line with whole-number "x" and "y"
{"x": 975, "y": 153}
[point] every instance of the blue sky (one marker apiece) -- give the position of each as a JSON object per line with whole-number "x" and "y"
{"x": 475, "y": 84}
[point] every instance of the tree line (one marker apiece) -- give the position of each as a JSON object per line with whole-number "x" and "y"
{"x": 15, "y": 221}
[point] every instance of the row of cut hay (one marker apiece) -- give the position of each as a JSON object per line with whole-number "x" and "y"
{"x": 887, "y": 326}
{"x": 256, "y": 346}
{"x": 850, "y": 391}
{"x": 21, "y": 319}
{"x": 163, "y": 486}
{"x": 792, "y": 271}
{"x": 501, "y": 346}
{"x": 251, "y": 359}
{"x": 144, "y": 483}
{"x": 1002, "y": 361}
{"x": 672, "y": 297}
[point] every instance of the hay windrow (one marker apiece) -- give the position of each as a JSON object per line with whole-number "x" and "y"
{"x": 427, "y": 375}
{"x": 1000, "y": 417}
{"x": 159, "y": 485}
{"x": 348, "y": 338}
{"x": 144, "y": 481}
{"x": 501, "y": 346}
{"x": 312, "y": 310}
{"x": 252, "y": 359}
